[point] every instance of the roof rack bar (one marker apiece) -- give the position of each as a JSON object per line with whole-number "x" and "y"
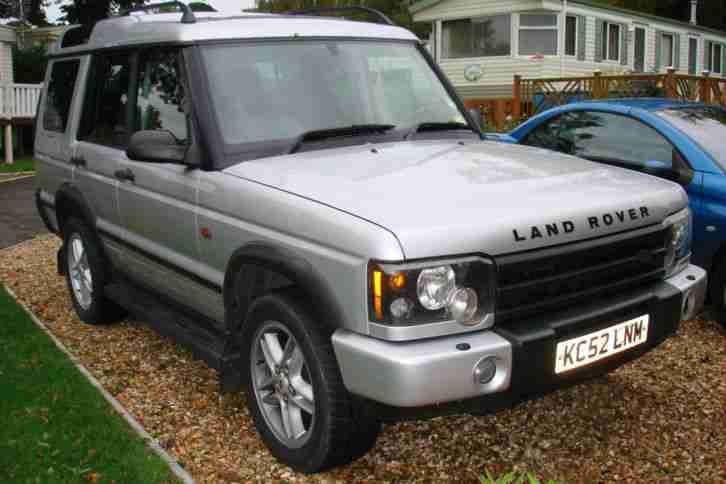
{"x": 187, "y": 17}
{"x": 353, "y": 8}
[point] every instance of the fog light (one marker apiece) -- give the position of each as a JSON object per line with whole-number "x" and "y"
{"x": 463, "y": 305}
{"x": 485, "y": 370}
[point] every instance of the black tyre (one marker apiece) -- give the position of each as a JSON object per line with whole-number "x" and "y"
{"x": 87, "y": 275}
{"x": 717, "y": 289}
{"x": 295, "y": 392}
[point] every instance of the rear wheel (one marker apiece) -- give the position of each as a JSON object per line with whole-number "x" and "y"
{"x": 86, "y": 275}
{"x": 295, "y": 392}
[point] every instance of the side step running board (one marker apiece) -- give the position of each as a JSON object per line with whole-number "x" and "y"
{"x": 188, "y": 330}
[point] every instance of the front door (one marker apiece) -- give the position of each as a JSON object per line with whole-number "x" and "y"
{"x": 102, "y": 134}
{"x": 157, "y": 201}
{"x": 639, "y": 49}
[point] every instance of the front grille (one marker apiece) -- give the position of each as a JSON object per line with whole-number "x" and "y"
{"x": 552, "y": 279}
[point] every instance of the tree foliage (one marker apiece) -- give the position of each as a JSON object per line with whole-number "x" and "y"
{"x": 711, "y": 13}
{"x": 89, "y": 12}
{"x": 396, "y": 10}
{"x": 29, "y": 64}
{"x": 33, "y": 11}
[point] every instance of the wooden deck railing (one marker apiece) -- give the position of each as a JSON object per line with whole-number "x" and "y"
{"x": 19, "y": 100}
{"x": 532, "y": 96}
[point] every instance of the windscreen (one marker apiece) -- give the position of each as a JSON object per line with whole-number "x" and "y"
{"x": 704, "y": 124}
{"x": 279, "y": 90}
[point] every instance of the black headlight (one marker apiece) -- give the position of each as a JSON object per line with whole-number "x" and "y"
{"x": 432, "y": 291}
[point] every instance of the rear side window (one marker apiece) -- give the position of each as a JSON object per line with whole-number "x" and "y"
{"x": 106, "y": 107}
{"x": 60, "y": 94}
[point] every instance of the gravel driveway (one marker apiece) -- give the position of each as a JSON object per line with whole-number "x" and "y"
{"x": 659, "y": 419}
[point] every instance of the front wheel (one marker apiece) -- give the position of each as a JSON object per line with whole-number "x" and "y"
{"x": 295, "y": 392}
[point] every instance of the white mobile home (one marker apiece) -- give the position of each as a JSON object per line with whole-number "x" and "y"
{"x": 482, "y": 44}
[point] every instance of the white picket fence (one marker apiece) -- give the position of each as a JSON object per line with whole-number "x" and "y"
{"x": 19, "y": 100}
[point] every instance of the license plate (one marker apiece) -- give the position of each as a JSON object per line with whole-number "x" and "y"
{"x": 585, "y": 350}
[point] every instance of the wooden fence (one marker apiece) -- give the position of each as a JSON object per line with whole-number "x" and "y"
{"x": 533, "y": 96}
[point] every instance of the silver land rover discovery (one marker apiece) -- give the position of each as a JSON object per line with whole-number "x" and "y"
{"x": 304, "y": 202}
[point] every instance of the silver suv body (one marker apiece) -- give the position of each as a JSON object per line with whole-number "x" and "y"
{"x": 305, "y": 203}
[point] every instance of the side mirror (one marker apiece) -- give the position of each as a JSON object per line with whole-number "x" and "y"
{"x": 475, "y": 113}
{"x": 666, "y": 170}
{"x": 156, "y": 146}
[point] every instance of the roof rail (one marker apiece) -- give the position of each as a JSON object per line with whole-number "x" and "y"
{"x": 353, "y": 8}
{"x": 187, "y": 17}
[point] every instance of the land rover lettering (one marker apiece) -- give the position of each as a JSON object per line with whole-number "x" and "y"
{"x": 568, "y": 226}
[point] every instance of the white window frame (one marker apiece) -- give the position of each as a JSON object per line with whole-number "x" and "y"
{"x": 606, "y": 37}
{"x": 472, "y": 18}
{"x": 645, "y": 29}
{"x": 698, "y": 51}
{"x": 556, "y": 28}
{"x": 578, "y": 19}
{"x": 672, "y": 62}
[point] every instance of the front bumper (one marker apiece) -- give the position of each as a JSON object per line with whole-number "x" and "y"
{"x": 440, "y": 370}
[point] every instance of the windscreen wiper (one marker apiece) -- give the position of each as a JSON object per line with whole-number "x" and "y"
{"x": 323, "y": 134}
{"x": 438, "y": 126}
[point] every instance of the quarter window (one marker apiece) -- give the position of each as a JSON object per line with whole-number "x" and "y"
{"x": 60, "y": 94}
{"x": 160, "y": 94}
{"x": 537, "y": 34}
{"x": 106, "y": 109}
{"x": 478, "y": 37}
{"x": 603, "y": 137}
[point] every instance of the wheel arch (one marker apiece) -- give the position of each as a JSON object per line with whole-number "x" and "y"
{"x": 258, "y": 268}
{"x": 70, "y": 201}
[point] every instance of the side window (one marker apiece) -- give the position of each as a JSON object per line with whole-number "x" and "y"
{"x": 160, "y": 96}
{"x": 105, "y": 112}
{"x": 603, "y": 136}
{"x": 60, "y": 94}
{"x": 547, "y": 136}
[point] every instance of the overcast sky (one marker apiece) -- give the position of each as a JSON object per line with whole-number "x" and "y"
{"x": 227, "y": 6}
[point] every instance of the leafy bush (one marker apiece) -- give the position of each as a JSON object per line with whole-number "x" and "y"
{"x": 512, "y": 478}
{"x": 29, "y": 64}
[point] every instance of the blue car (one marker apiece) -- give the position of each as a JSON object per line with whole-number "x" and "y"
{"x": 680, "y": 141}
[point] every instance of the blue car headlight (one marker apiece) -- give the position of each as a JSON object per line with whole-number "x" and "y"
{"x": 679, "y": 240}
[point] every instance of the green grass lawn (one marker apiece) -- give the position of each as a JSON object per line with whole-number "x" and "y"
{"x": 54, "y": 426}
{"x": 24, "y": 164}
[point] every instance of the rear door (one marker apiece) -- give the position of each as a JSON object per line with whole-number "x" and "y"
{"x": 53, "y": 145}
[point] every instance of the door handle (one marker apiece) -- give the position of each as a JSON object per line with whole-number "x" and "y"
{"x": 78, "y": 161}
{"x": 125, "y": 175}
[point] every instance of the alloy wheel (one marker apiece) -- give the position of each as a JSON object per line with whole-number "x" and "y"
{"x": 282, "y": 384}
